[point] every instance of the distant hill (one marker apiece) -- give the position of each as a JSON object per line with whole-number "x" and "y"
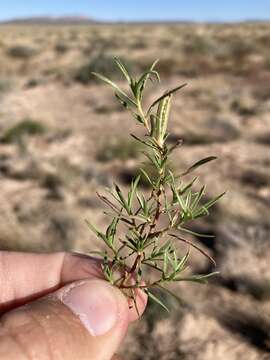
{"x": 85, "y": 20}
{"x": 51, "y": 20}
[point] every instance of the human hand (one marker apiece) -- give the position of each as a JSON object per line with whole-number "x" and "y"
{"x": 56, "y": 306}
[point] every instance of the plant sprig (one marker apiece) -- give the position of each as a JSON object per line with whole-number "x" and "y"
{"x": 147, "y": 245}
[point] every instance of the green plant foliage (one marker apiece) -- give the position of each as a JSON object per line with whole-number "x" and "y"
{"x": 146, "y": 244}
{"x": 24, "y": 127}
{"x": 22, "y": 51}
{"x": 121, "y": 149}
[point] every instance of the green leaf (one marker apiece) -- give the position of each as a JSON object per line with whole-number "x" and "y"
{"x": 165, "y": 263}
{"x": 143, "y": 204}
{"x": 204, "y": 209}
{"x": 173, "y": 263}
{"x": 123, "y": 69}
{"x": 132, "y": 191}
{"x": 201, "y": 212}
{"x": 140, "y": 200}
{"x": 162, "y": 119}
{"x": 198, "y": 198}
{"x": 125, "y": 101}
{"x": 199, "y": 163}
{"x": 188, "y": 199}
{"x": 141, "y": 82}
{"x": 96, "y": 231}
{"x": 114, "y": 86}
{"x": 108, "y": 274}
{"x": 167, "y": 206}
{"x": 147, "y": 177}
{"x": 132, "y": 242}
{"x": 187, "y": 187}
{"x": 175, "y": 193}
{"x": 121, "y": 198}
{"x": 198, "y": 278}
{"x": 195, "y": 233}
{"x": 167, "y": 93}
{"x": 161, "y": 250}
{"x": 147, "y": 77}
{"x": 111, "y": 230}
{"x": 141, "y": 141}
{"x": 179, "y": 199}
{"x": 181, "y": 301}
{"x": 213, "y": 201}
{"x": 154, "y": 160}
{"x": 155, "y": 299}
{"x": 182, "y": 263}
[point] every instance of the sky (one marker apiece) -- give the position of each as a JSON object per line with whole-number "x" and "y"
{"x": 140, "y": 10}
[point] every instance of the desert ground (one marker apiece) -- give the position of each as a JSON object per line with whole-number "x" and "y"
{"x": 63, "y": 136}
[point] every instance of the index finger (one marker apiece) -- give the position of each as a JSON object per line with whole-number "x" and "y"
{"x": 27, "y": 276}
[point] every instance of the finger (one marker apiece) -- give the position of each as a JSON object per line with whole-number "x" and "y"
{"x": 27, "y": 276}
{"x": 83, "y": 320}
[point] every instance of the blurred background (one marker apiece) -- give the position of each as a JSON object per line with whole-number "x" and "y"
{"x": 63, "y": 137}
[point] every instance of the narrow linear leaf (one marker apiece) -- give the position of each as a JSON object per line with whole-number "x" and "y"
{"x": 181, "y": 301}
{"x": 198, "y": 198}
{"x": 213, "y": 201}
{"x": 188, "y": 231}
{"x": 147, "y": 177}
{"x": 165, "y": 263}
{"x": 197, "y": 278}
{"x": 167, "y": 93}
{"x": 133, "y": 190}
{"x": 133, "y": 297}
{"x": 109, "y": 203}
{"x": 92, "y": 227}
{"x": 183, "y": 261}
{"x": 121, "y": 197}
{"x": 188, "y": 186}
{"x": 126, "y": 102}
{"x": 141, "y": 141}
{"x": 123, "y": 69}
{"x": 199, "y": 163}
{"x": 98, "y": 233}
{"x": 155, "y": 299}
{"x": 147, "y": 77}
{"x": 113, "y": 85}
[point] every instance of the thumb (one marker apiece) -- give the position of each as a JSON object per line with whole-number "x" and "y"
{"x": 84, "y": 320}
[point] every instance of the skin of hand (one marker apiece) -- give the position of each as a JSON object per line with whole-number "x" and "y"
{"x": 58, "y": 306}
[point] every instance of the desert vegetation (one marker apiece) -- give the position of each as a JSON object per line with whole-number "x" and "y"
{"x": 64, "y": 137}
